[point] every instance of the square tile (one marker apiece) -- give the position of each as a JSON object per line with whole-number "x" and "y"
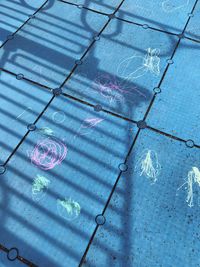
{"x": 176, "y": 110}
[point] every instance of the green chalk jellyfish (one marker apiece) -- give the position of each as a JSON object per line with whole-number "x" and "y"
{"x": 39, "y": 187}
{"x": 46, "y": 131}
{"x": 148, "y": 165}
{"x": 68, "y": 209}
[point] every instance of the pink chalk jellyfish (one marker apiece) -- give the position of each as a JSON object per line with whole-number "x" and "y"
{"x": 48, "y": 153}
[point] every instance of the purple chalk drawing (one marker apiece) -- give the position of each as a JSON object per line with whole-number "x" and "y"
{"x": 115, "y": 90}
{"x": 48, "y": 153}
{"x": 88, "y": 126}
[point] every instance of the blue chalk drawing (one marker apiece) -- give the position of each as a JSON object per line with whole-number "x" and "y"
{"x": 58, "y": 116}
{"x": 25, "y": 113}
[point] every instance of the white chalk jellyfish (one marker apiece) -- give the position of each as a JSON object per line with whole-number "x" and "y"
{"x": 192, "y": 179}
{"x": 148, "y": 165}
{"x": 39, "y": 187}
{"x": 68, "y": 208}
{"x": 136, "y": 66}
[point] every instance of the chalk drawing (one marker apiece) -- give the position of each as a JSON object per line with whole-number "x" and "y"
{"x": 46, "y": 131}
{"x": 170, "y": 6}
{"x": 114, "y": 90}
{"x": 137, "y": 66}
{"x": 88, "y": 126}
{"x": 25, "y": 113}
{"x": 68, "y": 208}
{"x": 39, "y": 71}
{"x": 58, "y": 117}
{"x": 48, "y": 153}
{"x": 148, "y": 165}
{"x": 192, "y": 179}
{"x": 39, "y": 187}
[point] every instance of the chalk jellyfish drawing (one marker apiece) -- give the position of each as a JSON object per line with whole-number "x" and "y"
{"x": 48, "y": 153}
{"x": 68, "y": 209}
{"x": 170, "y": 6}
{"x": 58, "y": 117}
{"x": 136, "y": 66}
{"x": 38, "y": 70}
{"x": 39, "y": 187}
{"x": 46, "y": 131}
{"x": 192, "y": 179}
{"x": 148, "y": 165}
{"x": 88, "y": 126}
{"x": 24, "y": 113}
{"x": 113, "y": 90}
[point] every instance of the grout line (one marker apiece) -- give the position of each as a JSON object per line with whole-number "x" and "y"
{"x": 26, "y": 79}
{"x": 83, "y": 102}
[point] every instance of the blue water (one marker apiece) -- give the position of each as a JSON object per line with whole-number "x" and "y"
{"x": 99, "y": 133}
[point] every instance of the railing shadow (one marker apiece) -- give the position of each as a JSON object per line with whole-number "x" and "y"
{"x": 51, "y": 46}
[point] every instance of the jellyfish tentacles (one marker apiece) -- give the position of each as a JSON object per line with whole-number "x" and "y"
{"x": 193, "y": 178}
{"x": 68, "y": 208}
{"x": 148, "y": 165}
{"x": 39, "y": 187}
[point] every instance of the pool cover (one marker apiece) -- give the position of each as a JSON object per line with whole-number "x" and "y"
{"x": 99, "y": 133}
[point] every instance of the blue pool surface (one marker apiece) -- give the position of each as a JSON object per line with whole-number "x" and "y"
{"x": 99, "y": 136}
